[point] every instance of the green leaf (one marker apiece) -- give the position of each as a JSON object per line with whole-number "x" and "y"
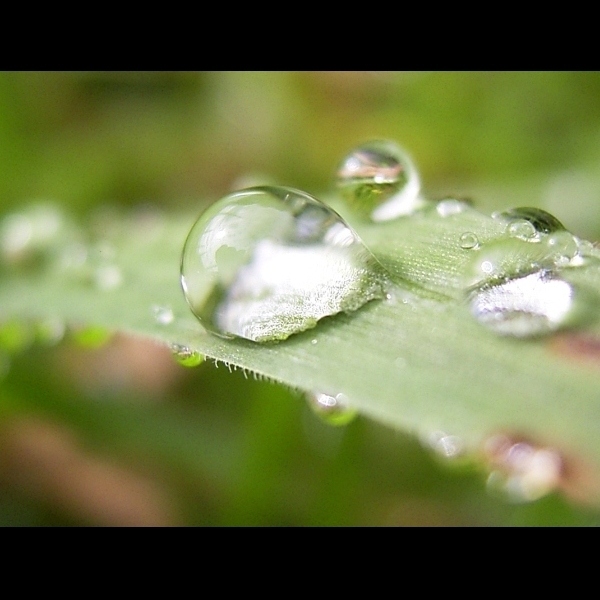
{"x": 417, "y": 361}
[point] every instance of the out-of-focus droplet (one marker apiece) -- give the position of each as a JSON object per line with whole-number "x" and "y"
{"x": 186, "y": 356}
{"x": 532, "y": 305}
{"x": 379, "y": 180}
{"x": 163, "y": 315}
{"x": 521, "y": 470}
{"x": 334, "y": 409}
{"x": 26, "y": 234}
{"x": 448, "y": 446}
{"x": 451, "y": 206}
{"x": 108, "y": 277}
{"x": 50, "y": 331}
{"x": 268, "y": 262}
{"x": 468, "y": 241}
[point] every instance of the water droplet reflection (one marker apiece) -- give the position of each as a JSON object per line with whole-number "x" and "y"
{"x": 333, "y": 409}
{"x": 267, "y": 262}
{"x": 379, "y": 180}
{"x": 532, "y": 305}
{"x": 186, "y": 356}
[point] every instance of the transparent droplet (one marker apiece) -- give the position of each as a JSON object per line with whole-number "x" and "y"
{"x": 333, "y": 409}
{"x": 451, "y": 206}
{"x": 507, "y": 258}
{"x": 448, "y": 446}
{"x": 185, "y": 356}
{"x": 268, "y": 262}
{"x": 522, "y": 229}
{"x": 468, "y": 241}
{"x": 521, "y": 470}
{"x": 379, "y": 180}
{"x": 163, "y": 315}
{"x": 536, "y": 304}
{"x": 529, "y": 223}
{"x": 27, "y": 234}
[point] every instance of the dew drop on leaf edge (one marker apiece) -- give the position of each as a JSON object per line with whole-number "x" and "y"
{"x": 186, "y": 356}
{"x": 268, "y": 262}
{"x": 333, "y": 409}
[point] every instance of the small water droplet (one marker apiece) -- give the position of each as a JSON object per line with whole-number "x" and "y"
{"x": 451, "y": 206}
{"x": 379, "y": 180}
{"x": 163, "y": 315}
{"x": 536, "y": 304}
{"x": 267, "y": 262}
{"x": 185, "y": 356}
{"x": 25, "y": 234}
{"x": 448, "y": 446}
{"x": 333, "y": 409}
{"x": 523, "y": 230}
{"x": 469, "y": 241}
{"x": 520, "y": 469}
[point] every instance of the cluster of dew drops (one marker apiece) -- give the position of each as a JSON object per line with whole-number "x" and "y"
{"x": 267, "y": 262}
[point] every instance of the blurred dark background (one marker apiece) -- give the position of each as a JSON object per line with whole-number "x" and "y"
{"x": 119, "y": 434}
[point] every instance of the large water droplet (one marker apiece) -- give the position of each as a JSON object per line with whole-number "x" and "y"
{"x": 380, "y": 181}
{"x": 333, "y": 409}
{"x": 185, "y": 356}
{"x": 267, "y": 262}
{"x": 536, "y": 304}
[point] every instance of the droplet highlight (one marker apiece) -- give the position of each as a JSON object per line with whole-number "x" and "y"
{"x": 267, "y": 262}
{"x": 334, "y": 409}
{"x": 163, "y": 315}
{"x": 379, "y": 181}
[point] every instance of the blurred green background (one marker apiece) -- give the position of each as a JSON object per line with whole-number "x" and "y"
{"x": 122, "y": 435}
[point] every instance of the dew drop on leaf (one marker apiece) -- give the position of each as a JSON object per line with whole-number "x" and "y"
{"x": 451, "y": 206}
{"x": 379, "y": 180}
{"x": 532, "y": 305}
{"x": 267, "y": 262}
{"x": 540, "y": 221}
{"x": 468, "y": 241}
{"x": 163, "y": 315}
{"x": 333, "y": 409}
{"x": 185, "y": 356}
